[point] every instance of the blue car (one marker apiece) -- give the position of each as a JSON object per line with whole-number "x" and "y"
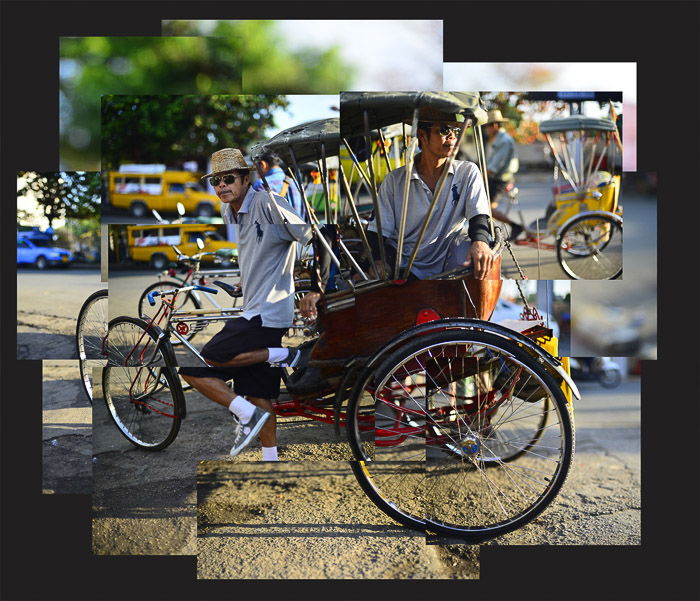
{"x": 42, "y": 253}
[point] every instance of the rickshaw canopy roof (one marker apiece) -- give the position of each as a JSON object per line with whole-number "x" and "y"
{"x": 388, "y": 108}
{"x": 305, "y": 139}
{"x": 576, "y": 123}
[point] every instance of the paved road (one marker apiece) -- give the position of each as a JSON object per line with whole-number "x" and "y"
{"x": 48, "y": 303}
{"x": 66, "y": 431}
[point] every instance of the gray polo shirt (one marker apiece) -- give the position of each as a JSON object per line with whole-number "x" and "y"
{"x": 463, "y": 196}
{"x": 266, "y": 256}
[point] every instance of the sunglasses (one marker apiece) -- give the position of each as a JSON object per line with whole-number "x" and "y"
{"x": 228, "y": 179}
{"x": 446, "y": 130}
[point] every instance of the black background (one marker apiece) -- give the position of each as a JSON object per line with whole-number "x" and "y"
{"x": 46, "y": 538}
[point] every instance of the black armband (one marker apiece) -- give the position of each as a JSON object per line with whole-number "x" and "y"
{"x": 479, "y": 229}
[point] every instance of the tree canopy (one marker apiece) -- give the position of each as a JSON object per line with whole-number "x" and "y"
{"x": 237, "y": 57}
{"x": 175, "y": 129}
{"x": 64, "y": 195}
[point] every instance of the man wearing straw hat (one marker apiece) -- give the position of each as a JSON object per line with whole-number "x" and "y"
{"x": 458, "y": 230}
{"x": 501, "y": 165}
{"x": 248, "y": 350}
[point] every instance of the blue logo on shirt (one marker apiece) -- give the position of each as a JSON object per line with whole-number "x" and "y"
{"x": 258, "y": 232}
{"x": 455, "y": 195}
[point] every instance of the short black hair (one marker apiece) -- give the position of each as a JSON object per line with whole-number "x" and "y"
{"x": 270, "y": 158}
{"x": 425, "y": 126}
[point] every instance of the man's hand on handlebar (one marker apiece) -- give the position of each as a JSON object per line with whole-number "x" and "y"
{"x": 480, "y": 256}
{"x": 307, "y": 305}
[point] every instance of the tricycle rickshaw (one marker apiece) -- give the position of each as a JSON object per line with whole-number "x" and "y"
{"x": 585, "y": 217}
{"x": 457, "y": 426}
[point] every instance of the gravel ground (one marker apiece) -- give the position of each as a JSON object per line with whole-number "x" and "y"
{"x": 308, "y": 521}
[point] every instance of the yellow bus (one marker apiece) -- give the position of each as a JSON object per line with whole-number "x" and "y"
{"x": 142, "y": 192}
{"x": 152, "y": 243}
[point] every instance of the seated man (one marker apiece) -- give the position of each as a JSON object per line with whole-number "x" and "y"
{"x": 463, "y": 201}
{"x": 249, "y": 348}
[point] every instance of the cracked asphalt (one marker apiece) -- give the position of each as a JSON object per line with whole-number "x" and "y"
{"x": 48, "y": 303}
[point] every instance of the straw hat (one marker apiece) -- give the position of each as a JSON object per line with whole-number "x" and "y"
{"x": 495, "y": 116}
{"x": 227, "y": 159}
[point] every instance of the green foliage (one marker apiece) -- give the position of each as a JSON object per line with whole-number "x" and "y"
{"x": 63, "y": 194}
{"x": 236, "y": 57}
{"x": 174, "y": 129}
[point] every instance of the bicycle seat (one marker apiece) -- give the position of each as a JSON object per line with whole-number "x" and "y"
{"x": 230, "y": 290}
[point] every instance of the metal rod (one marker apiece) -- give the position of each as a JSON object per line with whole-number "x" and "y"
{"x": 558, "y": 160}
{"x": 373, "y": 189}
{"x": 481, "y": 157}
{"x": 438, "y": 190}
{"x": 382, "y": 141}
{"x": 356, "y": 216}
{"x": 324, "y": 182}
{"x": 406, "y": 189}
{"x": 352, "y": 260}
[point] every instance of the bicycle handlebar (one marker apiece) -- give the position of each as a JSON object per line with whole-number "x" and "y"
{"x": 152, "y": 295}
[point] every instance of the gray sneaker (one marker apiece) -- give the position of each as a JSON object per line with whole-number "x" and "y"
{"x": 246, "y": 432}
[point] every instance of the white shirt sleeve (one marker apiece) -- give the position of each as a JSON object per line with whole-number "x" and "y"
{"x": 473, "y": 191}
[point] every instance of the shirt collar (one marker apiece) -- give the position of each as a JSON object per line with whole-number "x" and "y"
{"x": 245, "y": 205}
{"x": 450, "y": 171}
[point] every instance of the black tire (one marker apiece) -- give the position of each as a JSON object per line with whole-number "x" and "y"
{"x": 138, "y": 209}
{"x": 144, "y": 397}
{"x": 590, "y": 247}
{"x": 205, "y": 209}
{"x": 146, "y": 404}
{"x": 437, "y": 466}
{"x": 184, "y": 302}
{"x": 40, "y": 262}
{"x": 131, "y": 343}
{"x": 609, "y": 378}
{"x": 159, "y": 261}
{"x": 90, "y": 334}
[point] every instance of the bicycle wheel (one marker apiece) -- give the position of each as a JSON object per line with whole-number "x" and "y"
{"x": 141, "y": 388}
{"x": 590, "y": 248}
{"x": 132, "y": 343}
{"x": 145, "y": 403}
{"x": 90, "y": 335}
{"x": 471, "y": 436}
{"x": 184, "y": 302}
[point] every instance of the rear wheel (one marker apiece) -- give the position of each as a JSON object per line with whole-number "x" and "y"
{"x": 471, "y": 437}
{"x": 41, "y": 262}
{"x": 138, "y": 209}
{"x": 590, "y": 247}
{"x": 159, "y": 261}
{"x": 90, "y": 337}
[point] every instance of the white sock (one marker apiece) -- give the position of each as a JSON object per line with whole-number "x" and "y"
{"x": 270, "y": 454}
{"x": 277, "y": 355}
{"x": 242, "y": 409}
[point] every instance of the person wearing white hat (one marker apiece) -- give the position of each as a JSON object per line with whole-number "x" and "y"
{"x": 501, "y": 165}
{"x": 248, "y": 350}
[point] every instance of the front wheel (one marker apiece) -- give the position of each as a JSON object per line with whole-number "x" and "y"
{"x": 589, "y": 247}
{"x": 90, "y": 337}
{"x": 141, "y": 387}
{"x": 146, "y": 404}
{"x": 471, "y": 436}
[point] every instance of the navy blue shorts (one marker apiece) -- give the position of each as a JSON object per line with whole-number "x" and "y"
{"x": 238, "y": 336}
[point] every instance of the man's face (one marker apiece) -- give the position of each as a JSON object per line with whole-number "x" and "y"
{"x": 231, "y": 192}
{"x": 441, "y": 138}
